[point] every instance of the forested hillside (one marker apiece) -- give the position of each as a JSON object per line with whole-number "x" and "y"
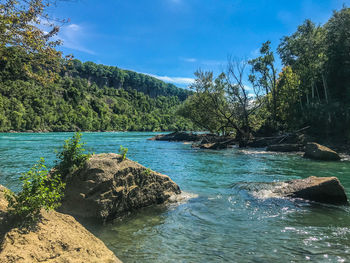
{"x": 84, "y": 96}
{"x": 111, "y": 76}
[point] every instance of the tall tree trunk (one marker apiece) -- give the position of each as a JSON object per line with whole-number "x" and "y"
{"x": 318, "y": 94}
{"x": 325, "y": 88}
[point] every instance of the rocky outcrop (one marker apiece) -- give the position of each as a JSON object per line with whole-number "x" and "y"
{"x": 285, "y": 147}
{"x": 319, "y": 152}
{"x": 215, "y": 145}
{"x": 178, "y": 137}
{"x": 213, "y": 142}
{"x": 108, "y": 187}
{"x": 56, "y": 238}
{"x": 318, "y": 189}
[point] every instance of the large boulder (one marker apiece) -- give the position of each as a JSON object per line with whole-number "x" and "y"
{"x": 318, "y": 189}
{"x": 285, "y": 147}
{"x": 56, "y": 238}
{"x": 319, "y": 152}
{"x": 108, "y": 187}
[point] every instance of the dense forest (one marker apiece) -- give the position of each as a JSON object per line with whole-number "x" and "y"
{"x": 252, "y": 98}
{"x": 88, "y": 97}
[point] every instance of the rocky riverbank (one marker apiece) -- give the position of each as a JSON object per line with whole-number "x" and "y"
{"x": 56, "y": 237}
{"x": 294, "y": 142}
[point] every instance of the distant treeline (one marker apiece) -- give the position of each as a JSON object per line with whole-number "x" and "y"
{"x": 84, "y": 96}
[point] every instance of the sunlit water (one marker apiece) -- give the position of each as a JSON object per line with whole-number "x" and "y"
{"x": 222, "y": 219}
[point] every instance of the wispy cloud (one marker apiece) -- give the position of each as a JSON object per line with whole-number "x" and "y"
{"x": 174, "y": 80}
{"x": 213, "y": 62}
{"x": 191, "y": 60}
{"x": 72, "y": 37}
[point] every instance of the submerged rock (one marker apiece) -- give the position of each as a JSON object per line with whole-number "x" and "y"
{"x": 318, "y": 189}
{"x": 108, "y": 187}
{"x": 284, "y": 147}
{"x": 56, "y": 238}
{"x": 319, "y": 152}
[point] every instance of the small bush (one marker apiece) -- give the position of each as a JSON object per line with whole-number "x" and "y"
{"x": 72, "y": 157}
{"x": 38, "y": 191}
{"x": 123, "y": 151}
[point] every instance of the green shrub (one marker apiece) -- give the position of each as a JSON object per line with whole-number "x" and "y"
{"x": 73, "y": 155}
{"x": 38, "y": 191}
{"x": 123, "y": 151}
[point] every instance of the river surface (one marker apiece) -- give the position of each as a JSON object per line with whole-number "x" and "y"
{"x": 223, "y": 218}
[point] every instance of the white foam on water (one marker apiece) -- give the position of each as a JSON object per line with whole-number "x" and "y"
{"x": 270, "y": 193}
{"x": 252, "y": 151}
{"x": 182, "y": 198}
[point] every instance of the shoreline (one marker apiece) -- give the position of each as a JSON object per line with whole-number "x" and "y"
{"x": 342, "y": 148}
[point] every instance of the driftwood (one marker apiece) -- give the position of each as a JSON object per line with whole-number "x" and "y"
{"x": 293, "y": 133}
{"x": 265, "y": 141}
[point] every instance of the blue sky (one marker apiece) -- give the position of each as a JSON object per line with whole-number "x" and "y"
{"x": 171, "y": 39}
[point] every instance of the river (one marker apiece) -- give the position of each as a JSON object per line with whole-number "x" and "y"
{"x": 223, "y": 218}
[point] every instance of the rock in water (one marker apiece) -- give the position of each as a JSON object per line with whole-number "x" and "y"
{"x": 318, "y": 189}
{"x": 56, "y": 238}
{"x": 319, "y": 152}
{"x": 177, "y": 137}
{"x": 108, "y": 187}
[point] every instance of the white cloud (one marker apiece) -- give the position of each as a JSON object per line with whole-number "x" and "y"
{"x": 73, "y": 36}
{"x": 74, "y": 27}
{"x": 174, "y": 80}
{"x": 191, "y": 60}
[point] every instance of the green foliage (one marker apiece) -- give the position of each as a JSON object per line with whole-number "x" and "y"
{"x": 123, "y": 151}
{"x": 39, "y": 190}
{"x": 72, "y": 156}
{"x": 21, "y": 30}
{"x": 263, "y": 77}
{"x": 313, "y": 88}
{"x": 319, "y": 56}
{"x": 222, "y": 105}
{"x": 86, "y": 97}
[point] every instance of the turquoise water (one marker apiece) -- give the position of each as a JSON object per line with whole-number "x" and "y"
{"x": 223, "y": 221}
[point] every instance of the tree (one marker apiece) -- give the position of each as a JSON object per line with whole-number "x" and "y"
{"x": 289, "y": 99}
{"x": 338, "y": 54}
{"x": 304, "y": 51}
{"x": 263, "y": 77}
{"x": 21, "y": 23}
{"x": 223, "y": 105}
